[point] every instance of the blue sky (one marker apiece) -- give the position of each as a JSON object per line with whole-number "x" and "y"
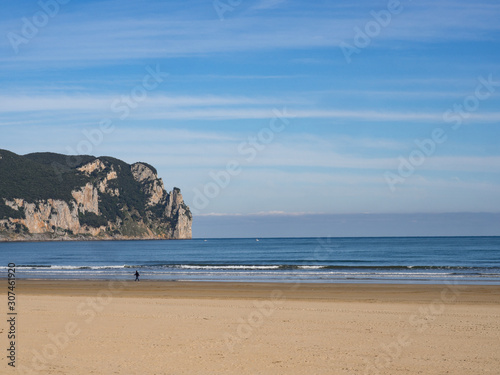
{"x": 274, "y": 109}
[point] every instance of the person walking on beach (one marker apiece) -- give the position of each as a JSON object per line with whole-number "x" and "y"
{"x": 136, "y": 275}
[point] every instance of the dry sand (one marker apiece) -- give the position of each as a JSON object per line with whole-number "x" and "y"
{"x": 93, "y": 327}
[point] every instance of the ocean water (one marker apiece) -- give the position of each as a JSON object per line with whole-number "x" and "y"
{"x": 466, "y": 260}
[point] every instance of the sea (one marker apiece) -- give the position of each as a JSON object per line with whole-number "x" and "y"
{"x": 414, "y": 260}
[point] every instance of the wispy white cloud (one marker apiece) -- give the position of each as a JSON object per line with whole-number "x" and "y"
{"x": 100, "y": 102}
{"x": 82, "y": 40}
{"x": 332, "y": 114}
{"x": 268, "y": 4}
{"x": 257, "y": 214}
{"x": 216, "y": 214}
{"x": 327, "y": 155}
{"x": 223, "y": 109}
{"x": 212, "y": 107}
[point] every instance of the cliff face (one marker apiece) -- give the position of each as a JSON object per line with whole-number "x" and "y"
{"x": 44, "y": 197}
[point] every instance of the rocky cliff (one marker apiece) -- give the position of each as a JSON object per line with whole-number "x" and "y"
{"x": 47, "y": 196}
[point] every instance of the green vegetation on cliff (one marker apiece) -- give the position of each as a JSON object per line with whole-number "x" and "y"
{"x": 26, "y": 177}
{"x": 40, "y": 180}
{"x": 42, "y": 176}
{"x": 6, "y": 211}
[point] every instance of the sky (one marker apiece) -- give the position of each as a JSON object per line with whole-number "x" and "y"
{"x": 274, "y": 117}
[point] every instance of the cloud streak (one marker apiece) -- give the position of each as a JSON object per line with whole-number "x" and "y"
{"x": 82, "y": 40}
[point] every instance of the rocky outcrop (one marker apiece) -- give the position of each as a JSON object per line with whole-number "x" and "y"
{"x": 87, "y": 199}
{"x": 114, "y": 201}
{"x": 45, "y": 216}
{"x": 177, "y": 209}
{"x": 89, "y": 168}
{"x": 153, "y": 186}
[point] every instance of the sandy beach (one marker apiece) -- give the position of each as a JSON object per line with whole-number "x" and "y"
{"x": 101, "y": 327}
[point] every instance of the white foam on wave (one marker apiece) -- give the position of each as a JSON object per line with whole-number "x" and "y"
{"x": 86, "y": 267}
{"x": 189, "y": 267}
{"x": 59, "y": 267}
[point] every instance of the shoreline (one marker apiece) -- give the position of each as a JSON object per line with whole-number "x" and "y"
{"x": 86, "y": 239}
